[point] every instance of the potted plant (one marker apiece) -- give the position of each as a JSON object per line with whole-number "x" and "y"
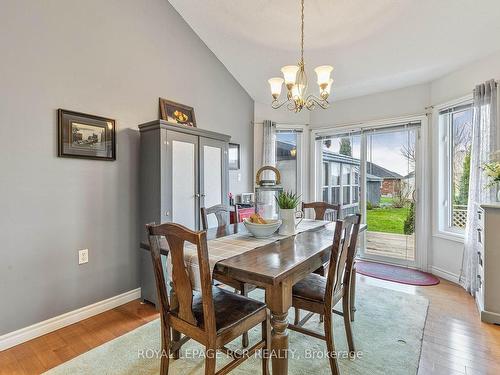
{"x": 492, "y": 170}
{"x": 288, "y": 202}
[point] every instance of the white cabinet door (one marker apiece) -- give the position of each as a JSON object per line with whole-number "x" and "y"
{"x": 213, "y": 175}
{"x": 182, "y": 164}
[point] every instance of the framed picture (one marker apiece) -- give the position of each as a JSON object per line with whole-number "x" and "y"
{"x": 85, "y": 136}
{"x": 177, "y": 113}
{"x": 234, "y": 156}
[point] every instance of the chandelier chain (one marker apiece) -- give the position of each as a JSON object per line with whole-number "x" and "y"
{"x": 297, "y": 98}
{"x": 302, "y": 33}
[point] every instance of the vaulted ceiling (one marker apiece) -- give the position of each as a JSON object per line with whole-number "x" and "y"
{"x": 374, "y": 45}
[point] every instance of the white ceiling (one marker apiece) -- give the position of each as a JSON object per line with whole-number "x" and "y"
{"x": 374, "y": 45}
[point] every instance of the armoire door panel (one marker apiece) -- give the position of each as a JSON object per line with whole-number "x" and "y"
{"x": 183, "y": 194}
{"x": 212, "y": 179}
{"x": 213, "y": 174}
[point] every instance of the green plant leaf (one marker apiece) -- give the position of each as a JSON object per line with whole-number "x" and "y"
{"x": 287, "y": 200}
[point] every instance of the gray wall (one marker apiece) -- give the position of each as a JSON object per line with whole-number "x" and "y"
{"x": 109, "y": 58}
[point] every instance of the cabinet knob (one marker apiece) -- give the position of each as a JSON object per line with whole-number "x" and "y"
{"x": 167, "y": 213}
{"x": 203, "y": 195}
{"x": 197, "y": 195}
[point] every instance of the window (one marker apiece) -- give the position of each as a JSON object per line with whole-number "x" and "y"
{"x": 288, "y": 154}
{"x": 337, "y": 178}
{"x": 456, "y": 129}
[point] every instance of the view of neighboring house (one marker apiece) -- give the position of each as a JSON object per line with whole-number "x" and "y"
{"x": 391, "y": 181}
{"x": 341, "y": 177}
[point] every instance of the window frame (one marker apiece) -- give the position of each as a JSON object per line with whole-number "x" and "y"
{"x": 443, "y": 204}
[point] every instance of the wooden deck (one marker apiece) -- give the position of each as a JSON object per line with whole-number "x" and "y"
{"x": 399, "y": 246}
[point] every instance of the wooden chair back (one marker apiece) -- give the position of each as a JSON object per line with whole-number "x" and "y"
{"x": 342, "y": 256}
{"x": 323, "y": 210}
{"x": 176, "y": 235}
{"x": 220, "y": 211}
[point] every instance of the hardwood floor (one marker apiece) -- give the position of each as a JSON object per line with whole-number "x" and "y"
{"x": 45, "y": 352}
{"x": 455, "y": 341}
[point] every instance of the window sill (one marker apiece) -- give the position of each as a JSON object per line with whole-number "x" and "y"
{"x": 450, "y": 236}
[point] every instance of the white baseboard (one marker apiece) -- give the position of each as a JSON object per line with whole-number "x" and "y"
{"x": 38, "y": 329}
{"x": 445, "y": 274}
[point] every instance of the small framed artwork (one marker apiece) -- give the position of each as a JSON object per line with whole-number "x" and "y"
{"x": 85, "y": 136}
{"x": 234, "y": 156}
{"x": 177, "y": 113}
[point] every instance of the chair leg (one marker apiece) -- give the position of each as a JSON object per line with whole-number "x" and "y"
{"x": 346, "y": 310}
{"x": 330, "y": 345}
{"x": 322, "y": 273}
{"x": 352, "y": 292}
{"x": 165, "y": 349}
{"x": 210, "y": 358}
{"x": 176, "y": 336}
{"x": 297, "y": 316}
{"x": 244, "y": 337}
{"x": 266, "y": 335}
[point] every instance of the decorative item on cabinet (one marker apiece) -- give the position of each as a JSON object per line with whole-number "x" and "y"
{"x": 245, "y": 198}
{"x": 177, "y": 113}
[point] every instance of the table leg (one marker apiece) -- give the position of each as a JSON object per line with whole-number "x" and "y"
{"x": 279, "y": 300}
{"x": 279, "y": 343}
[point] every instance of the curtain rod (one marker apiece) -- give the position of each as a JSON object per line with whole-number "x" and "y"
{"x": 281, "y": 123}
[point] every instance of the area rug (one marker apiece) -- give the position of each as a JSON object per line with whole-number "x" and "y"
{"x": 388, "y": 333}
{"x": 396, "y": 274}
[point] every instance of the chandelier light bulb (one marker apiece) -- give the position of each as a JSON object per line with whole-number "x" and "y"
{"x": 290, "y": 74}
{"x": 323, "y": 72}
{"x": 297, "y": 91}
{"x": 276, "y": 83}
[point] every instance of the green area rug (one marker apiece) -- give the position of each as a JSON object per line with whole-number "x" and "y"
{"x": 388, "y": 332}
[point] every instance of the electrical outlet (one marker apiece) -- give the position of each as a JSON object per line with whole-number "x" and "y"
{"x": 83, "y": 256}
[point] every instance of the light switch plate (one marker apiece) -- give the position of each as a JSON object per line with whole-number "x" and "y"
{"x": 83, "y": 256}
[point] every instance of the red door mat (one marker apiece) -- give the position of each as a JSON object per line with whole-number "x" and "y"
{"x": 395, "y": 273}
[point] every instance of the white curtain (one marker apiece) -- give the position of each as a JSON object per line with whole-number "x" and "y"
{"x": 269, "y": 147}
{"x": 484, "y": 143}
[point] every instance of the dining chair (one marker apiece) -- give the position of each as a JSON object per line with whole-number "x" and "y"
{"x": 319, "y": 294}
{"x": 330, "y": 212}
{"x": 212, "y": 317}
{"x": 222, "y": 212}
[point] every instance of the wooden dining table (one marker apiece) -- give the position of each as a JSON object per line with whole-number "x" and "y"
{"x": 275, "y": 267}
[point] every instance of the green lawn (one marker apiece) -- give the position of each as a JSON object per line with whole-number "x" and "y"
{"x": 388, "y": 220}
{"x": 385, "y": 200}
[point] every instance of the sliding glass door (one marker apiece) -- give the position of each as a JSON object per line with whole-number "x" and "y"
{"x": 391, "y": 156}
{"x": 374, "y": 172}
{"x": 340, "y": 172}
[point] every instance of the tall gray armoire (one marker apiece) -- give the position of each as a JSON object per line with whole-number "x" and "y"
{"x": 181, "y": 169}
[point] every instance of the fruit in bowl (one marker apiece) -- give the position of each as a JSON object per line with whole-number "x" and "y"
{"x": 260, "y": 227}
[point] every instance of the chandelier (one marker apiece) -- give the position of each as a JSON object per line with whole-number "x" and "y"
{"x": 295, "y": 79}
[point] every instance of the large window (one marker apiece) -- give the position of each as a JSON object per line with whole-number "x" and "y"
{"x": 456, "y": 127}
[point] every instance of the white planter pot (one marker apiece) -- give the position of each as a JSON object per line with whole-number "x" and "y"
{"x": 290, "y": 219}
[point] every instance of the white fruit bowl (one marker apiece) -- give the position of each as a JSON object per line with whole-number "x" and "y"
{"x": 262, "y": 230}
